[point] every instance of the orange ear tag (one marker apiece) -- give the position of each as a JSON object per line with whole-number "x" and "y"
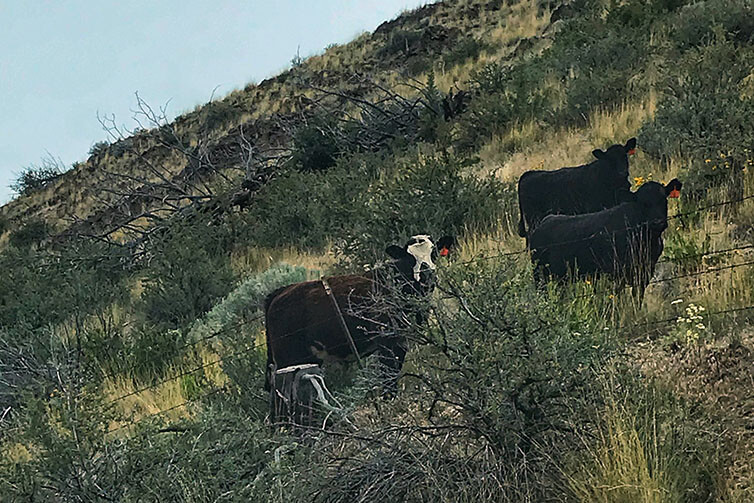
{"x": 675, "y": 194}
{"x": 632, "y": 151}
{"x": 444, "y": 252}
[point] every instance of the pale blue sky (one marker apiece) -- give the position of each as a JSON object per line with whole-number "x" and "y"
{"x": 62, "y": 61}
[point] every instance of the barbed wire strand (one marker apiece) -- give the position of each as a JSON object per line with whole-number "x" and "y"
{"x": 327, "y": 320}
{"x": 605, "y": 231}
{"x": 133, "y": 422}
{"x": 224, "y": 330}
{"x": 222, "y": 388}
{"x": 481, "y": 257}
{"x": 615, "y": 290}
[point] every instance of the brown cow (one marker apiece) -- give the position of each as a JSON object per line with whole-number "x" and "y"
{"x": 303, "y": 326}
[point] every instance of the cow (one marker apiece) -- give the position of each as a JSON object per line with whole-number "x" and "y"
{"x": 603, "y": 183}
{"x": 303, "y": 325}
{"x": 623, "y": 242}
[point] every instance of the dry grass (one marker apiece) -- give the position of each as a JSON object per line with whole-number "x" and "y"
{"x": 535, "y": 147}
{"x": 255, "y": 259}
{"x": 718, "y": 376}
{"x": 172, "y": 393}
{"x": 522, "y": 20}
{"x": 619, "y": 469}
{"x": 505, "y": 240}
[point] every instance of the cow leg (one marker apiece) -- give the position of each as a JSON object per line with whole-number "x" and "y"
{"x": 268, "y": 370}
{"x": 542, "y": 276}
{"x": 391, "y": 355}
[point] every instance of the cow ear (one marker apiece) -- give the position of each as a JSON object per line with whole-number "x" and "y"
{"x": 673, "y": 188}
{"x": 599, "y": 154}
{"x": 630, "y": 146}
{"x": 445, "y": 244}
{"x": 396, "y": 252}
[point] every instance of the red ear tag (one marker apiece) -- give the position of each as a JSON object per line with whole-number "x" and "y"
{"x": 632, "y": 151}
{"x": 675, "y": 194}
{"x": 444, "y": 252}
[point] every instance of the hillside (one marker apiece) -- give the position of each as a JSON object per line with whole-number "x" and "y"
{"x": 132, "y": 343}
{"x": 135, "y": 172}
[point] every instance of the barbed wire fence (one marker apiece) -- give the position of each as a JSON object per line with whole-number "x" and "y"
{"x": 253, "y": 320}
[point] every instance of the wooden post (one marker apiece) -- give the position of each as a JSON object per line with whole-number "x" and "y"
{"x": 293, "y": 393}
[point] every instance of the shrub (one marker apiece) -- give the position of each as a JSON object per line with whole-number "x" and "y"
{"x": 596, "y": 60}
{"x": 189, "y": 271}
{"x": 29, "y": 234}
{"x": 309, "y": 209}
{"x": 38, "y": 176}
{"x": 422, "y": 195}
{"x": 417, "y": 64}
{"x": 315, "y": 144}
{"x": 367, "y": 202}
{"x": 99, "y": 148}
{"x": 641, "y": 13}
{"x": 401, "y": 42}
{"x": 501, "y": 370}
{"x": 431, "y": 125}
{"x": 698, "y": 24}
{"x": 216, "y": 114}
{"x": 464, "y": 50}
{"x": 532, "y": 352}
{"x": 245, "y": 300}
{"x": 507, "y": 95}
{"x": 44, "y": 287}
{"x": 703, "y": 113}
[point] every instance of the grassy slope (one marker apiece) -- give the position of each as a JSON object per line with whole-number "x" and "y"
{"x": 78, "y": 193}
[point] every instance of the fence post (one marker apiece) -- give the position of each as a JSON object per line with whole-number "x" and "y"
{"x": 293, "y": 393}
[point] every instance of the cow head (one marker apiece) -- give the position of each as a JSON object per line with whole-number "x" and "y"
{"x": 415, "y": 260}
{"x": 653, "y": 199}
{"x": 615, "y": 161}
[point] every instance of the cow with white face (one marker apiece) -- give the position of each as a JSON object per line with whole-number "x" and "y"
{"x": 302, "y": 321}
{"x": 415, "y": 261}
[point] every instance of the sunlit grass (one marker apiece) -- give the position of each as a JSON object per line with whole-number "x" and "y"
{"x": 621, "y": 466}
{"x": 531, "y": 145}
{"x": 140, "y": 403}
{"x": 255, "y": 259}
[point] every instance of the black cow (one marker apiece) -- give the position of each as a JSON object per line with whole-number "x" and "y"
{"x": 303, "y": 327}
{"x": 623, "y": 242}
{"x": 601, "y": 184}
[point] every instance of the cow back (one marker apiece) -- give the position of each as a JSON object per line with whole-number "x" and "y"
{"x": 567, "y": 191}
{"x": 609, "y": 241}
{"x": 303, "y": 326}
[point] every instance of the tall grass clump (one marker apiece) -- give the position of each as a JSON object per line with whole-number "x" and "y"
{"x": 650, "y": 446}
